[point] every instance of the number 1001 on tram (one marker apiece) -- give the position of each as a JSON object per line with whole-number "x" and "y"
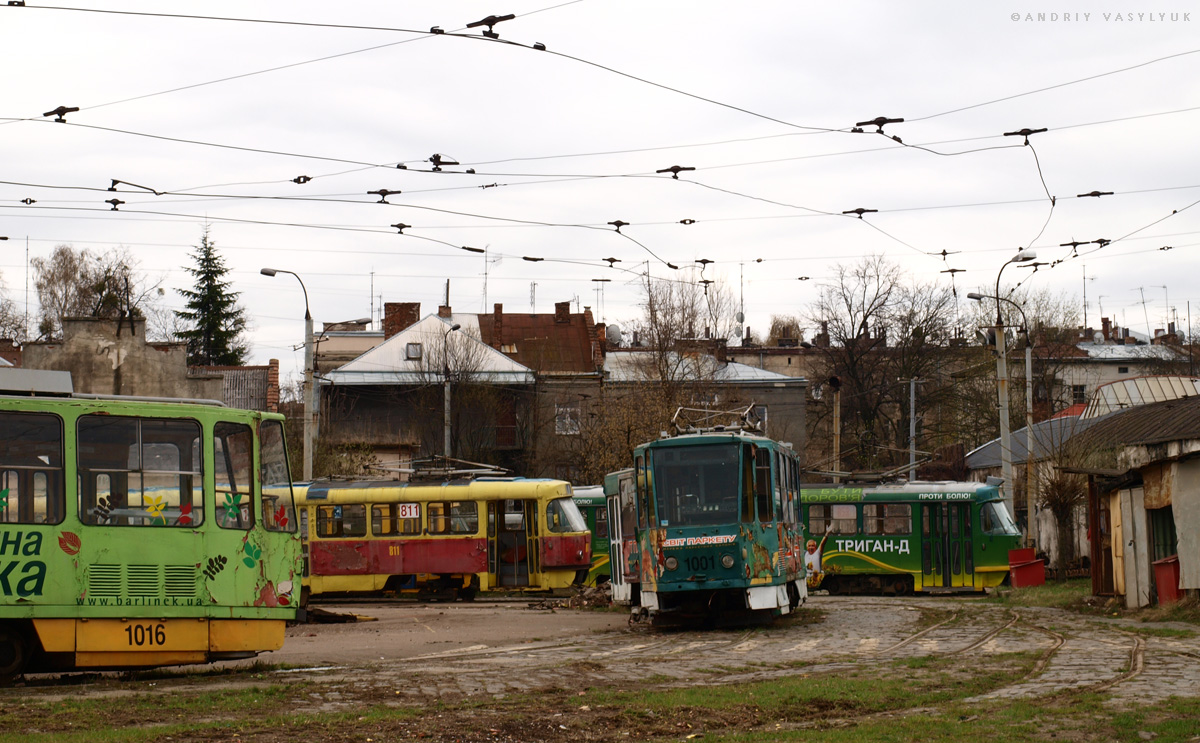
{"x": 706, "y": 524}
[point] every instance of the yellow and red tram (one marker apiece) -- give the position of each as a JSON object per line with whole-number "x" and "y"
{"x": 442, "y": 539}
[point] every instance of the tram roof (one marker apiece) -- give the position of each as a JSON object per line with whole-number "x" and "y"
{"x": 384, "y": 491}
{"x": 917, "y": 490}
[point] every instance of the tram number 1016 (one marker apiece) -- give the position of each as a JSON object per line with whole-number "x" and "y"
{"x": 146, "y": 634}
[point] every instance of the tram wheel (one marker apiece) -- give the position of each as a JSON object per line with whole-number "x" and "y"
{"x": 14, "y": 653}
{"x": 903, "y": 585}
{"x": 467, "y": 594}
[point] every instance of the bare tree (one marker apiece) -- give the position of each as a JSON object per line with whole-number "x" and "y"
{"x": 876, "y": 333}
{"x": 79, "y": 283}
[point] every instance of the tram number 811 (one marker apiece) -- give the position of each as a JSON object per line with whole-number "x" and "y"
{"x": 700, "y": 562}
{"x": 145, "y": 634}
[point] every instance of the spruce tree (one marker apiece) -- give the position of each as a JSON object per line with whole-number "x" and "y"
{"x": 216, "y": 323}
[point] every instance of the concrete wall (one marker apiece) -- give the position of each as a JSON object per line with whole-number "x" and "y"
{"x": 105, "y": 359}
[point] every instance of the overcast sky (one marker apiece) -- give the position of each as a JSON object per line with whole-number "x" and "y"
{"x": 758, "y": 97}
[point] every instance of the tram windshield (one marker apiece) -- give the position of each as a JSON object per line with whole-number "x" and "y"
{"x": 994, "y": 519}
{"x": 696, "y": 485}
{"x": 562, "y": 516}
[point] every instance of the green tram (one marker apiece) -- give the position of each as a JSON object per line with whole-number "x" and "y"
{"x": 591, "y": 503}
{"x": 135, "y": 533}
{"x": 706, "y": 524}
{"x": 929, "y": 537}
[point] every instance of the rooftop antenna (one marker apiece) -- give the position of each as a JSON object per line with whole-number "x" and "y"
{"x": 532, "y": 296}
{"x": 1145, "y": 316}
{"x": 372, "y": 296}
{"x": 1166, "y": 305}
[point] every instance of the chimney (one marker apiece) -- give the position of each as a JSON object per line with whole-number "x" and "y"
{"x": 273, "y": 386}
{"x": 1106, "y": 328}
{"x": 399, "y": 315}
{"x": 497, "y": 325}
{"x": 444, "y": 311}
{"x": 562, "y": 312}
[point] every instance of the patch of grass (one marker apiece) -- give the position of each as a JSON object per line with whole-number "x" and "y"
{"x": 99, "y": 713}
{"x": 1083, "y": 718}
{"x": 1159, "y": 632}
{"x": 1071, "y": 594}
{"x": 940, "y": 680}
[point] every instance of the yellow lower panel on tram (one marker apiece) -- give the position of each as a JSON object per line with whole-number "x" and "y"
{"x": 138, "y": 659}
{"x": 57, "y": 635}
{"x": 139, "y": 636}
{"x": 245, "y": 635}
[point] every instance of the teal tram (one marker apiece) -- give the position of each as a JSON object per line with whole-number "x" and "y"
{"x": 924, "y": 537}
{"x": 706, "y": 524}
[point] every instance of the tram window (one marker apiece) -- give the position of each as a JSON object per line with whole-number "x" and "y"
{"x": 341, "y": 521}
{"x": 278, "y": 510}
{"x": 994, "y": 519}
{"x": 233, "y": 457}
{"x": 643, "y": 502}
{"x": 395, "y": 518}
{"x": 838, "y": 518}
{"x": 696, "y": 485}
{"x": 150, "y": 468}
{"x": 762, "y": 484}
{"x": 562, "y": 516}
{"x": 777, "y": 484}
{"x": 31, "y": 458}
{"x": 453, "y": 517}
{"x": 887, "y": 518}
{"x": 602, "y": 523}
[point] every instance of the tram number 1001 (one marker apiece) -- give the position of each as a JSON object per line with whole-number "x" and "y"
{"x": 700, "y": 562}
{"x": 146, "y": 634}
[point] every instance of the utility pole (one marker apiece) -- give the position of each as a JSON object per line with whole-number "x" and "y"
{"x": 912, "y": 428}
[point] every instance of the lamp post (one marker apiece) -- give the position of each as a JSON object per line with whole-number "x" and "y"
{"x": 446, "y": 388}
{"x": 1002, "y": 384}
{"x": 1030, "y": 440}
{"x": 309, "y": 406}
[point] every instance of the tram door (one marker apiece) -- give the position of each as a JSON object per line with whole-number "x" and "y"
{"x": 622, "y": 525}
{"x": 513, "y": 551}
{"x": 947, "y": 556}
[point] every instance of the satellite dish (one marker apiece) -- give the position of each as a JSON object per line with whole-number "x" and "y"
{"x": 740, "y": 318}
{"x": 612, "y": 334}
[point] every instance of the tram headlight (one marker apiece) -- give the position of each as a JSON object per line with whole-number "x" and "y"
{"x": 671, "y": 563}
{"x": 727, "y": 561}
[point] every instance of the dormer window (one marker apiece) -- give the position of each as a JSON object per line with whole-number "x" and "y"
{"x": 412, "y": 351}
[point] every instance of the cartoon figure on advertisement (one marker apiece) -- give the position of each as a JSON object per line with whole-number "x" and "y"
{"x": 812, "y": 560}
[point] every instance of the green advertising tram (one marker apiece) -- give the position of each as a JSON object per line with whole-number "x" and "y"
{"x": 591, "y": 503}
{"x": 136, "y": 533}
{"x": 929, "y": 537}
{"x": 706, "y": 524}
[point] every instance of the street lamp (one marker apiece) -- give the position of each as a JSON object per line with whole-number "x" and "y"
{"x": 309, "y": 406}
{"x": 1002, "y": 384}
{"x": 1030, "y": 440}
{"x": 446, "y": 388}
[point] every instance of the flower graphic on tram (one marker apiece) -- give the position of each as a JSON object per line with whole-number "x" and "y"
{"x": 185, "y": 514}
{"x": 4, "y": 498}
{"x": 253, "y": 555}
{"x": 233, "y": 509}
{"x": 155, "y": 509}
{"x": 69, "y": 542}
{"x": 281, "y": 518}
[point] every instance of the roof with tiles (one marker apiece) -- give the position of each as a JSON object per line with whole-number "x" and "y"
{"x": 558, "y": 343}
{"x": 1153, "y": 423}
